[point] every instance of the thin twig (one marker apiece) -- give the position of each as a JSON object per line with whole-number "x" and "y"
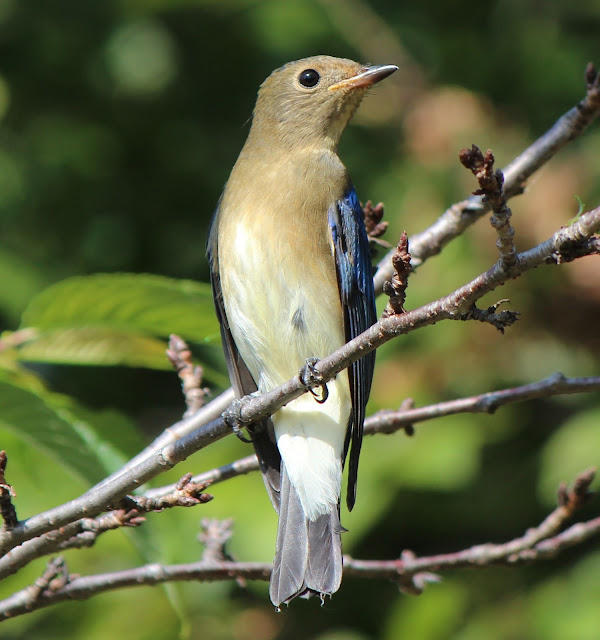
{"x": 391, "y": 421}
{"x": 190, "y": 374}
{"x": 491, "y": 188}
{"x": 185, "y": 493}
{"x": 220, "y": 474}
{"x": 175, "y": 432}
{"x": 85, "y": 531}
{"x": 410, "y": 566}
{"x": 83, "y": 587}
{"x": 81, "y": 533}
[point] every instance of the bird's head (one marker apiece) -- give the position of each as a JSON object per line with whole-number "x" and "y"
{"x": 310, "y": 101}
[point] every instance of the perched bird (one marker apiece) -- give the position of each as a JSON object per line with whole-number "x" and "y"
{"x": 292, "y": 280}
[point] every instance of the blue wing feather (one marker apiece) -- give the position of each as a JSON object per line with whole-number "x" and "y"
{"x": 355, "y": 280}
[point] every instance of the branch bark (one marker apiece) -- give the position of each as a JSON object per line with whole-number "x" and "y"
{"x": 411, "y": 573}
{"x": 388, "y": 421}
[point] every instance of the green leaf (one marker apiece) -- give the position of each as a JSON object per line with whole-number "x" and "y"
{"x": 142, "y": 303}
{"x": 570, "y": 450}
{"x": 100, "y": 346}
{"x": 121, "y": 320}
{"x": 52, "y": 423}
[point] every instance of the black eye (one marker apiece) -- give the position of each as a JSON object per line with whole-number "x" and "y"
{"x": 309, "y": 78}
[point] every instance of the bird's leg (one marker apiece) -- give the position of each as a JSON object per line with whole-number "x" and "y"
{"x": 311, "y": 378}
{"x": 232, "y": 416}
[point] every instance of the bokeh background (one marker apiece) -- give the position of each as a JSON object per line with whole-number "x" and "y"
{"x": 119, "y": 123}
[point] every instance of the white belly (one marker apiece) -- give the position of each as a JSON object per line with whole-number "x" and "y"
{"x": 283, "y": 307}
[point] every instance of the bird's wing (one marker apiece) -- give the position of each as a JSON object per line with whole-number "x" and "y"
{"x": 242, "y": 381}
{"x": 355, "y": 281}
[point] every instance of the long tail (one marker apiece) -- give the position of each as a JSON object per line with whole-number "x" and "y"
{"x": 308, "y": 560}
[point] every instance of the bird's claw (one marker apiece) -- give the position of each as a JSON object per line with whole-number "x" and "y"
{"x": 233, "y": 418}
{"x": 312, "y": 379}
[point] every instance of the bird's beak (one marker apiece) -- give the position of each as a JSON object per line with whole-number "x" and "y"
{"x": 365, "y": 79}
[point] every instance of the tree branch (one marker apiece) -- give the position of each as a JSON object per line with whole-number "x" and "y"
{"x": 82, "y": 588}
{"x": 206, "y": 414}
{"x": 410, "y": 572}
{"x": 539, "y": 543}
{"x": 388, "y": 421}
{"x": 85, "y": 531}
{"x": 189, "y": 490}
{"x": 453, "y": 222}
{"x": 564, "y": 245}
{"x": 190, "y": 374}
{"x": 491, "y": 188}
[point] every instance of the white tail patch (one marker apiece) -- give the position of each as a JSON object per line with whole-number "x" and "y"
{"x": 310, "y": 438}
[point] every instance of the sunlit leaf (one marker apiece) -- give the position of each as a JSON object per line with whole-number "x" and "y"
{"x": 144, "y": 303}
{"x": 99, "y": 346}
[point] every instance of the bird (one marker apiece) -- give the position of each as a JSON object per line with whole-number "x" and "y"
{"x": 292, "y": 282}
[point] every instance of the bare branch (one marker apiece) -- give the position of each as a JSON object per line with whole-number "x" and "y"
{"x": 220, "y": 474}
{"x": 81, "y": 533}
{"x": 461, "y": 215}
{"x": 389, "y": 421}
{"x": 208, "y": 413}
{"x": 539, "y": 543}
{"x": 186, "y": 493}
{"x": 180, "y": 357}
{"x": 410, "y": 568}
{"x": 85, "y": 531}
{"x": 81, "y": 588}
{"x": 410, "y": 572}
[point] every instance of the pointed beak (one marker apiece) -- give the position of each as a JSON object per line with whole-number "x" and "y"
{"x": 367, "y": 78}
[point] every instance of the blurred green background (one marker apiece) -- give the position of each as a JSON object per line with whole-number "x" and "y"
{"x": 119, "y": 123}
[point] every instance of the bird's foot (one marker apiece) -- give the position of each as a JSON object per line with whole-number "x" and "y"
{"x": 313, "y": 380}
{"x": 233, "y": 418}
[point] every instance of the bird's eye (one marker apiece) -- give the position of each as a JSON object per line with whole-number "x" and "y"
{"x": 309, "y": 78}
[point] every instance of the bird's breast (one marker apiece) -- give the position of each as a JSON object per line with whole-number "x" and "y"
{"x": 278, "y": 279}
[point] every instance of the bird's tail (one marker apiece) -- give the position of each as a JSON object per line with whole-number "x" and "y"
{"x": 308, "y": 560}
